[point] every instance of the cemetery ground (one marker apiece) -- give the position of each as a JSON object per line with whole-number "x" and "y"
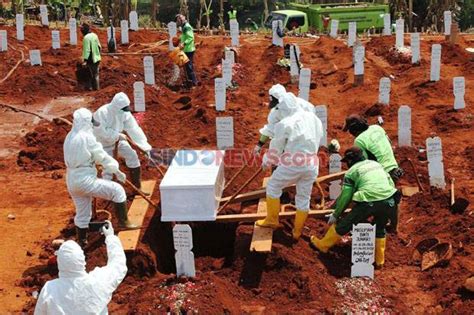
{"x": 293, "y": 277}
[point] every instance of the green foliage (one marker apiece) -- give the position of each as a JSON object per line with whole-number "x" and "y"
{"x": 466, "y": 15}
{"x": 144, "y": 21}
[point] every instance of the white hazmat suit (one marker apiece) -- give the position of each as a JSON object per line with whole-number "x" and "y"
{"x": 79, "y": 292}
{"x": 277, "y": 91}
{"x": 81, "y": 153}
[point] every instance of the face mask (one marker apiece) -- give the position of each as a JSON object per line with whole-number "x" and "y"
{"x": 95, "y": 123}
{"x": 273, "y": 102}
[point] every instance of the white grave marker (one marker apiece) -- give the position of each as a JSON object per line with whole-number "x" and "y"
{"x": 44, "y": 14}
{"x": 225, "y": 132}
{"x": 183, "y": 244}
{"x": 400, "y": 29}
{"x": 334, "y": 27}
{"x": 276, "y": 39}
{"x": 20, "y": 32}
{"x": 124, "y": 32}
{"x": 149, "y": 68}
{"x": 294, "y": 61}
{"x": 404, "y": 126}
{"x": 56, "y": 39}
{"x": 322, "y": 113}
{"x": 334, "y": 167}
{"x": 229, "y": 55}
{"x": 435, "y": 62}
{"x": 172, "y": 31}
{"x": 384, "y": 91}
{"x": 35, "y": 57}
{"x": 72, "y": 31}
{"x": 359, "y": 57}
{"x": 352, "y": 34}
{"x": 435, "y": 162}
{"x": 448, "y": 19}
{"x": 133, "y": 17}
{"x": 139, "y": 96}
{"x": 387, "y": 25}
{"x": 220, "y": 93}
{"x": 3, "y": 40}
{"x": 304, "y": 83}
{"x": 363, "y": 250}
{"x": 415, "y": 47}
{"x": 227, "y": 72}
{"x": 459, "y": 89}
{"x": 111, "y": 34}
{"x": 234, "y": 33}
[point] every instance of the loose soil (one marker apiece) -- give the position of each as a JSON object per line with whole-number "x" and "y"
{"x": 293, "y": 278}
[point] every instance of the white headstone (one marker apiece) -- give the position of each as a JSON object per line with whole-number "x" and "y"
{"x": 322, "y": 113}
{"x": 72, "y": 31}
{"x": 334, "y": 27}
{"x": 387, "y": 25}
{"x": 44, "y": 14}
{"x": 227, "y": 72}
{"x": 229, "y": 55}
{"x": 149, "y": 68}
{"x": 459, "y": 89}
{"x": 304, "y": 83}
{"x": 56, "y": 39}
{"x": 294, "y": 61}
{"x": 448, "y": 19}
{"x": 225, "y": 132}
{"x": 404, "y": 126}
{"x": 363, "y": 250}
{"x": 35, "y": 57}
{"x": 334, "y": 167}
{"x": 20, "y": 32}
{"x": 183, "y": 244}
{"x": 124, "y": 32}
{"x": 111, "y": 29}
{"x": 277, "y": 40}
{"x": 359, "y": 58}
{"x": 384, "y": 91}
{"x": 400, "y": 29}
{"x": 415, "y": 47}
{"x": 220, "y": 93}
{"x": 435, "y": 62}
{"x": 3, "y": 40}
{"x": 352, "y": 34}
{"x": 139, "y": 96}
{"x": 172, "y": 31}
{"x": 133, "y": 17}
{"x": 234, "y": 33}
{"x": 435, "y": 162}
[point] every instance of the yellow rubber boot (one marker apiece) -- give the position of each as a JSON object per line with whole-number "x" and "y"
{"x": 328, "y": 241}
{"x": 379, "y": 252}
{"x": 300, "y": 219}
{"x": 273, "y": 210}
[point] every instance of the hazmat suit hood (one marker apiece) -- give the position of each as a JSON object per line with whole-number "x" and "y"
{"x": 71, "y": 260}
{"x": 119, "y": 101}
{"x": 82, "y": 120}
{"x": 288, "y": 105}
{"x": 277, "y": 91}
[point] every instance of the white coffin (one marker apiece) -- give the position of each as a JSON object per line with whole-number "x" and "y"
{"x": 192, "y": 186}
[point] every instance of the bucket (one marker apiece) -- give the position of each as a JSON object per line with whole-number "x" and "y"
{"x": 178, "y": 57}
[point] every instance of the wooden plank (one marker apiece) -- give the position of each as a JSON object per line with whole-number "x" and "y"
{"x": 262, "y": 236}
{"x": 136, "y": 214}
{"x": 252, "y": 217}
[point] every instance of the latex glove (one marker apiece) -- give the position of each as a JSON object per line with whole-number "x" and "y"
{"x": 257, "y": 150}
{"x": 149, "y": 155}
{"x": 331, "y": 219}
{"x": 122, "y": 136}
{"x": 108, "y": 229}
{"x": 121, "y": 177}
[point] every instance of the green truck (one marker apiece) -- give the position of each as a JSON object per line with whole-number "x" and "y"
{"x": 301, "y": 17}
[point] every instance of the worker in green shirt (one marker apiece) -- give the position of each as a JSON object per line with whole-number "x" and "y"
{"x": 187, "y": 45}
{"x": 91, "y": 55}
{"x": 375, "y": 144}
{"x": 232, "y": 13}
{"x": 373, "y": 194}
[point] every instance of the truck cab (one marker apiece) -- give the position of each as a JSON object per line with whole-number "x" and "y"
{"x": 292, "y": 20}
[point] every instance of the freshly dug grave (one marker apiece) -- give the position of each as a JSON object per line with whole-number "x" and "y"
{"x": 293, "y": 278}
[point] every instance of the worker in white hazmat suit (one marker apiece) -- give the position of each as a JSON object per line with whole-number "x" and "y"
{"x": 276, "y": 94}
{"x": 114, "y": 119}
{"x": 81, "y": 153}
{"x": 79, "y": 292}
{"x": 294, "y": 149}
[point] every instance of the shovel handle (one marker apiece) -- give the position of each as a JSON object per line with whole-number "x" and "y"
{"x": 235, "y": 176}
{"x": 240, "y": 189}
{"x": 138, "y": 191}
{"x": 142, "y": 151}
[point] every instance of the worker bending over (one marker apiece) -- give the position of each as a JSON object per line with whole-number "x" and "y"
{"x": 373, "y": 194}
{"x": 114, "y": 119}
{"x": 91, "y": 56}
{"x": 79, "y": 292}
{"x": 81, "y": 153}
{"x": 374, "y": 143}
{"x": 294, "y": 149}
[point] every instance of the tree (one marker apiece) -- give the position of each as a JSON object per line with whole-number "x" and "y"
{"x": 265, "y": 11}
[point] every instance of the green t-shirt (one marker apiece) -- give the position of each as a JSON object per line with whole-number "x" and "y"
{"x": 376, "y": 145}
{"x": 91, "y": 45}
{"x": 369, "y": 181}
{"x": 232, "y": 15}
{"x": 187, "y": 38}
